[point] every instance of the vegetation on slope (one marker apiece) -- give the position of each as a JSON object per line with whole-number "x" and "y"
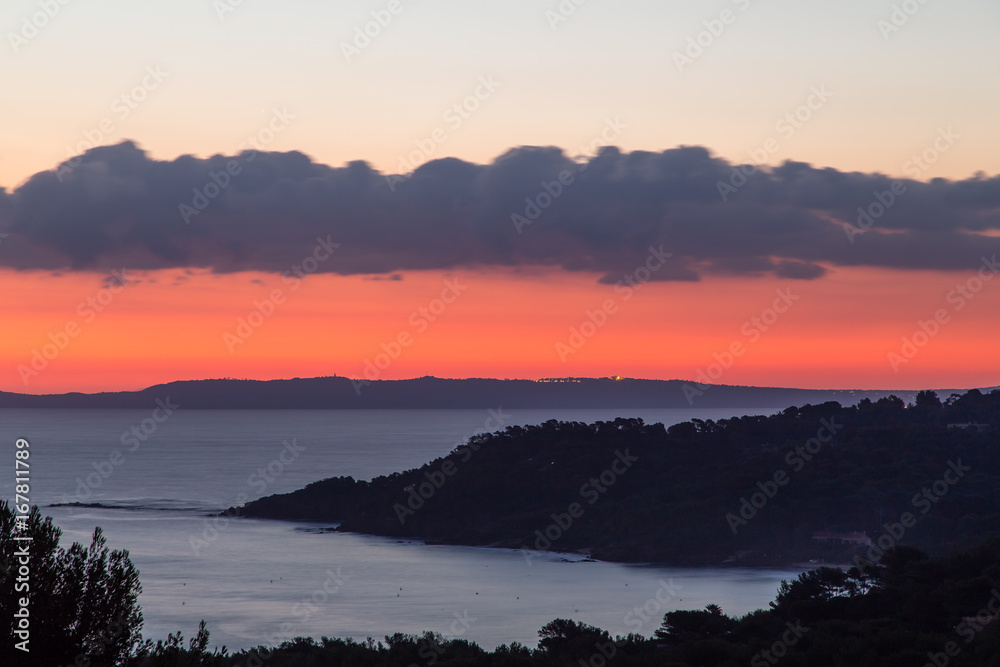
{"x": 907, "y": 609}
{"x": 700, "y": 492}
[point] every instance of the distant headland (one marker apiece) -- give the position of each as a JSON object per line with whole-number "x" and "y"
{"x": 814, "y": 483}
{"x": 338, "y": 392}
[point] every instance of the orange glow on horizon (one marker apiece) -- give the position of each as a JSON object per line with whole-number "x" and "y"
{"x": 173, "y": 325}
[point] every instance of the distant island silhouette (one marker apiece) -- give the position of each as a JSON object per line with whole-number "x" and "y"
{"x": 439, "y": 393}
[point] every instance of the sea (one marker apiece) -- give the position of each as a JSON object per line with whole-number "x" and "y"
{"x": 160, "y": 474}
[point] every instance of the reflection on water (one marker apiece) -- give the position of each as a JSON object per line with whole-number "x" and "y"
{"x": 264, "y": 581}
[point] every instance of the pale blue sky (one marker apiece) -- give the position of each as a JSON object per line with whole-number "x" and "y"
{"x": 558, "y": 87}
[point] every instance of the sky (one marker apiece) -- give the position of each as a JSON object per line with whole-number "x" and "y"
{"x": 744, "y": 192}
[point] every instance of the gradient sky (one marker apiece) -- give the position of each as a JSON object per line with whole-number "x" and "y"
{"x": 890, "y": 95}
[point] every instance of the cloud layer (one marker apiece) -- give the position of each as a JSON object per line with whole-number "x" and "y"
{"x": 114, "y": 206}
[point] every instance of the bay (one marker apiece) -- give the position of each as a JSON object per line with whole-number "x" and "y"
{"x": 262, "y": 582}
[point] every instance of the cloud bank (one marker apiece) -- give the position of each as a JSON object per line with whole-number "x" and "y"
{"x": 114, "y": 206}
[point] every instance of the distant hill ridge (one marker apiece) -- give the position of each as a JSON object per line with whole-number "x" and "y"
{"x": 431, "y": 392}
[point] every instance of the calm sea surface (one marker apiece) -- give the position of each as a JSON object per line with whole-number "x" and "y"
{"x": 260, "y": 582}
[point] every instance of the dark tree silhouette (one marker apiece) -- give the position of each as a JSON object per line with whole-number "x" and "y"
{"x": 689, "y": 625}
{"x": 928, "y": 400}
{"x": 83, "y": 601}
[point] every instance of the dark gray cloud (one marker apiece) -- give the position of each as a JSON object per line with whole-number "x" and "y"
{"x": 115, "y": 206}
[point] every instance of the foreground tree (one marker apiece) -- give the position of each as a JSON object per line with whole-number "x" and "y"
{"x": 566, "y": 640}
{"x": 82, "y": 602}
{"x": 683, "y": 625}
